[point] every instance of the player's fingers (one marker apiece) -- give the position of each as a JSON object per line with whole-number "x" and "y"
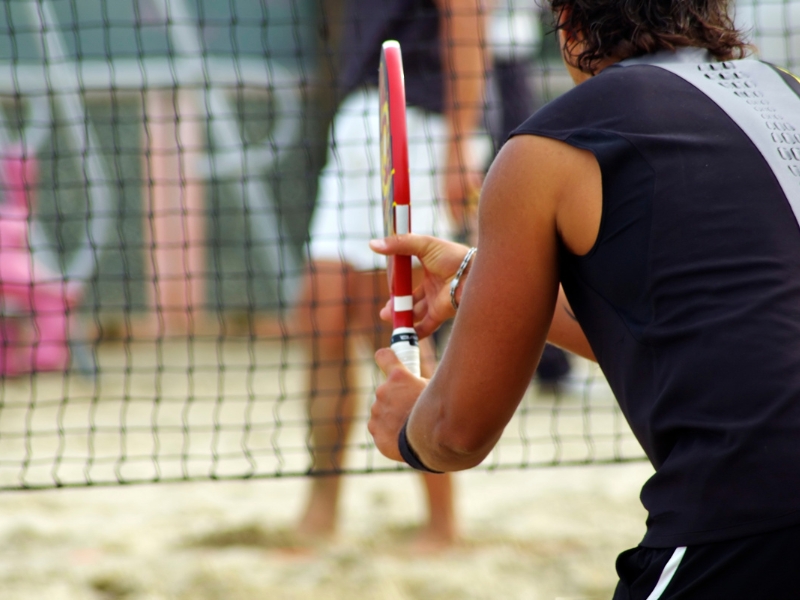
{"x": 387, "y": 361}
{"x": 475, "y": 182}
{"x": 426, "y": 326}
{"x": 409, "y": 244}
{"x": 386, "y": 311}
{"x": 420, "y": 309}
{"x": 473, "y": 197}
{"x": 420, "y": 303}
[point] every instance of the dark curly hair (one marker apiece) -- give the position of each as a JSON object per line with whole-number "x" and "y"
{"x": 620, "y": 29}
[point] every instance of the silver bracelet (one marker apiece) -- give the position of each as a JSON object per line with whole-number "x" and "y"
{"x": 459, "y": 273}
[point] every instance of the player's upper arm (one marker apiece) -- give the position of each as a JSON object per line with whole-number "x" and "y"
{"x": 531, "y": 198}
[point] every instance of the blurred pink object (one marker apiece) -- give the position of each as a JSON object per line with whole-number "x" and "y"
{"x": 26, "y": 287}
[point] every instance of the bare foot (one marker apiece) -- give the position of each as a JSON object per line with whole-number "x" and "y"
{"x": 318, "y": 522}
{"x": 432, "y": 540}
{"x": 317, "y": 525}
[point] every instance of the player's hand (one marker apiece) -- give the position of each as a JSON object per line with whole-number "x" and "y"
{"x": 462, "y": 186}
{"x": 394, "y": 400}
{"x": 440, "y": 260}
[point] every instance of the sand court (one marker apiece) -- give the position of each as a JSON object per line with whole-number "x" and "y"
{"x": 234, "y": 408}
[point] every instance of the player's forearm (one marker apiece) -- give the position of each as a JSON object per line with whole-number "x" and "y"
{"x": 442, "y": 452}
{"x": 464, "y": 60}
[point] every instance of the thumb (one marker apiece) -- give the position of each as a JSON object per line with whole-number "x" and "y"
{"x": 388, "y": 362}
{"x": 409, "y": 244}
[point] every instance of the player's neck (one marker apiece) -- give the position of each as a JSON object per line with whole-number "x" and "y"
{"x": 572, "y": 49}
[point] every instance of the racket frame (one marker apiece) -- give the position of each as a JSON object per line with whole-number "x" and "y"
{"x": 396, "y": 195}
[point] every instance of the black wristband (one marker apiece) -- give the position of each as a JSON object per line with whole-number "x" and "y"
{"x": 408, "y": 454}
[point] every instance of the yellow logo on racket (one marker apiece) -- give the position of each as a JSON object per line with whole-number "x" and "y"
{"x": 386, "y": 152}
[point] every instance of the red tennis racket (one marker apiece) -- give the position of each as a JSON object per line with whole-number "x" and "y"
{"x": 397, "y": 201}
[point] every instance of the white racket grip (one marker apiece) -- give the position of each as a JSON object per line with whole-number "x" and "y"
{"x": 405, "y": 345}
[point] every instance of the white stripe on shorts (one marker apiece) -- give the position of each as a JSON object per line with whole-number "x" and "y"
{"x": 668, "y": 573}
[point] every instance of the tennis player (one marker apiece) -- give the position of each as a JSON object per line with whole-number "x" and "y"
{"x": 662, "y": 193}
{"x": 442, "y": 49}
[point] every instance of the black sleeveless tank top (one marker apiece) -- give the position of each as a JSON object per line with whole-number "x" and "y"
{"x": 690, "y": 298}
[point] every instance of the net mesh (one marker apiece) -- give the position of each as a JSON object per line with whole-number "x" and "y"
{"x": 159, "y": 162}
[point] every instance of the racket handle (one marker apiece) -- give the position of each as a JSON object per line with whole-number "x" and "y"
{"x": 405, "y": 345}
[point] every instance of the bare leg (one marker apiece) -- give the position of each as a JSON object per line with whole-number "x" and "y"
{"x": 322, "y": 321}
{"x": 340, "y": 304}
{"x": 440, "y": 531}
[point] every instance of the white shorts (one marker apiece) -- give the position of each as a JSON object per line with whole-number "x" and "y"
{"x": 348, "y": 212}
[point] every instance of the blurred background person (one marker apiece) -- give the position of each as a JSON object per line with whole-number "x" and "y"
{"x": 515, "y": 39}
{"x": 443, "y": 54}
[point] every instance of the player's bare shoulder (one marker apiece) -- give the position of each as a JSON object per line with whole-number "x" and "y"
{"x": 557, "y": 183}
